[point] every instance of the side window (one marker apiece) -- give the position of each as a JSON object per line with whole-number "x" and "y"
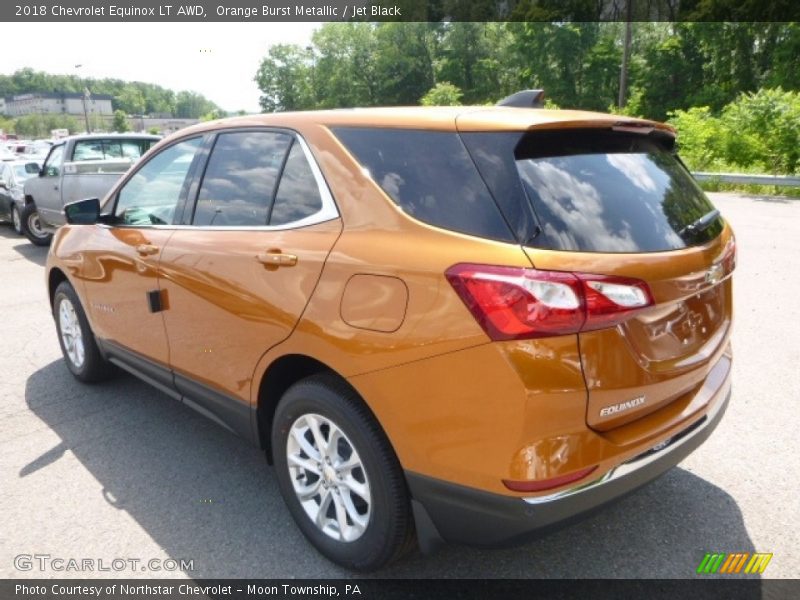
{"x": 298, "y": 194}
{"x": 430, "y": 176}
{"x": 134, "y": 149}
{"x": 112, "y": 149}
{"x": 240, "y": 179}
{"x": 52, "y": 166}
{"x": 88, "y": 150}
{"x": 151, "y": 196}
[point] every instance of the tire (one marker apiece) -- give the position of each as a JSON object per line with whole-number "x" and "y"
{"x": 16, "y": 219}
{"x": 32, "y": 226}
{"x": 382, "y": 529}
{"x": 77, "y": 341}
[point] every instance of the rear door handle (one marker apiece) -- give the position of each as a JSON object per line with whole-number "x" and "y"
{"x": 146, "y": 249}
{"x": 276, "y": 258}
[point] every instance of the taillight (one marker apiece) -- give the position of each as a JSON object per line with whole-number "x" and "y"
{"x": 729, "y": 257}
{"x": 515, "y": 303}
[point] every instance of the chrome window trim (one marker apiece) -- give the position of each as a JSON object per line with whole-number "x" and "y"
{"x": 328, "y": 212}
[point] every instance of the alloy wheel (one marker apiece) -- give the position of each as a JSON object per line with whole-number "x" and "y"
{"x": 328, "y": 477}
{"x": 71, "y": 333}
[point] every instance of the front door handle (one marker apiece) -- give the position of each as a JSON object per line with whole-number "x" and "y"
{"x": 276, "y": 258}
{"x": 146, "y": 249}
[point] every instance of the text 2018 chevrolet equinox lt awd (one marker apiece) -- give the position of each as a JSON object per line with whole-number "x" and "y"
{"x": 461, "y": 324}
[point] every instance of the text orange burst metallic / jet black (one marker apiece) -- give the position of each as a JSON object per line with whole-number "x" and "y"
{"x": 461, "y": 324}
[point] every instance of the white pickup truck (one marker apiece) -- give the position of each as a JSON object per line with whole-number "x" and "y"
{"x": 78, "y": 167}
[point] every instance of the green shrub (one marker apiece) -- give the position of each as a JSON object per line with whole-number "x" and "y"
{"x": 442, "y": 94}
{"x": 756, "y": 133}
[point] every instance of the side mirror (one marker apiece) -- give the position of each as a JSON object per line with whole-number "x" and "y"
{"x": 83, "y": 212}
{"x": 32, "y": 168}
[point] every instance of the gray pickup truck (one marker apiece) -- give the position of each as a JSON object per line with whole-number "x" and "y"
{"x": 78, "y": 167}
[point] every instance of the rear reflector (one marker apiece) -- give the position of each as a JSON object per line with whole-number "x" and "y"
{"x": 539, "y": 485}
{"x": 515, "y": 303}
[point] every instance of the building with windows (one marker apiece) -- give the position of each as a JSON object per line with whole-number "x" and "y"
{"x": 63, "y": 104}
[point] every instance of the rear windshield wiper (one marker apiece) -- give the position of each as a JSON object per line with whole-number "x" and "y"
{"x": 700, "y": 224}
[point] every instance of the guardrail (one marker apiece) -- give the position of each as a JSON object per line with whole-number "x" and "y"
{"x": 781, "y": 180}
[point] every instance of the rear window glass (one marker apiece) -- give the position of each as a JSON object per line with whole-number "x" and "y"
{"x": 430, "y": 176}
{"x": 110, "y": 149}
{"x": 602, "y": 192}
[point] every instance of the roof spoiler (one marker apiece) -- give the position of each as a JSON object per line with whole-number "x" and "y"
{"x": 524, "y": 99}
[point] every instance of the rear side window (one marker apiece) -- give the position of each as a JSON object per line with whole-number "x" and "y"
{"x": 110, "y": 149}
{"x": 430, "y": 176}
{"x": 611, "y": 192}
{"x": 298, "y": 193}
{"x": 240, "y": 179}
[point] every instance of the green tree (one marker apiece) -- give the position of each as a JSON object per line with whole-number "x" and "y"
{"x": 404, "y": 61}
{"x": 700, "y": 137}
{"x": 132, "y": 97}
{"x": 190, "y": 105}
{"x": 40, "y": 125}
{"x": 120, "y": 122}
{"x": 442, "y": 94}
{"x": 213, "y": 115}
{"x": 130, "y": 100}
{"x": 284, "y": 78}
{"x": 344, "y": 65}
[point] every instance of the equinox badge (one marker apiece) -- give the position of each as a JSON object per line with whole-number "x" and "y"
{"x": 607, "y": 411}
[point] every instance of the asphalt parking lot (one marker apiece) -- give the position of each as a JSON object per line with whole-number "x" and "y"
{"x": 119, "y": 470}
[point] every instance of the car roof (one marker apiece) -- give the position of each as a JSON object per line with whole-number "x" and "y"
{"x": 105, "y": 136}
{"x": 461, "y": 118}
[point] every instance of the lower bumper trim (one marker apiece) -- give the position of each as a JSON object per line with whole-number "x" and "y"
{"x": 460, "y": 514}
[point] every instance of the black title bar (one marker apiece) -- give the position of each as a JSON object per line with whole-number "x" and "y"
{"x": 391, "y": 589}
{"x": 395, "y": 10}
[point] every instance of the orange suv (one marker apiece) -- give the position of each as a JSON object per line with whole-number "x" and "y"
{"x": 444, "y": 324}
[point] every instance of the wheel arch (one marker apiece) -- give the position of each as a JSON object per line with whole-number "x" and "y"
{"x": 54, "y": 278}
{"x": 281, "y": 374}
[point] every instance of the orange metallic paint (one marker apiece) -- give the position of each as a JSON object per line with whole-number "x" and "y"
{"x": 374, "y": 302}
{"x": 454, "y": 405}
{"x": 115, "y": 278}
{"x": 227, "y": 308}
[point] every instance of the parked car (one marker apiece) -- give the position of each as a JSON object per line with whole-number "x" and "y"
{"x": 6, "y": 154}
{"x": 467, "y": 324}
{"x": 78, "y": 167}
{"x": 12, "y": 199}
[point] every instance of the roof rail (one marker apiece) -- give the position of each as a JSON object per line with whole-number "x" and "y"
{"x": 524, "y": 99}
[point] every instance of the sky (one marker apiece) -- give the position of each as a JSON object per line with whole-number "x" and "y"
{"x": 218, "y": 60}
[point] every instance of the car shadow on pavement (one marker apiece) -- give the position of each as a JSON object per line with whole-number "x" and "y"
{"x": 36, "y": 254}
{"x": 202, "y": 494}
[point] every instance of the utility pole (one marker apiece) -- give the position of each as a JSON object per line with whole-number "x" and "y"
{"x": 86, "y": 97}
{"x": 626, "y": 55}
{"x": 310, "y": 50}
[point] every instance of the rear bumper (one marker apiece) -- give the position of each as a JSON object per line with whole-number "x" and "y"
{"x": 449, "y": 512}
